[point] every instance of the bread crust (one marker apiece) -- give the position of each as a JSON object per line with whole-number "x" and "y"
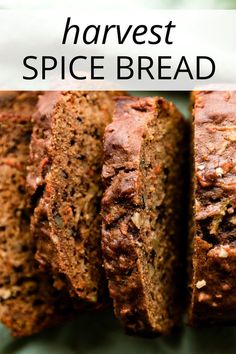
{"x": 213, "y": 278}
{"x": 122, "y": 204}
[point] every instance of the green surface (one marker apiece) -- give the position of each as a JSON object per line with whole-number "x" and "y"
{"x": 100, "y": 333}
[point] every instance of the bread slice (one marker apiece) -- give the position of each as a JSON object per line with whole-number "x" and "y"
{"x": 18, "y": 102}
{"x": 28, "y": 301}
{"x": 141, "y": 212}
{"x": 213, "y": 255}
{"x": 65, "y": 182}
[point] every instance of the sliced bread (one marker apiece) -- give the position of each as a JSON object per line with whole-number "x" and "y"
{"x": 213, "y": 229}
{"x": 142, "y": 238}
{"x": 28, "y": 301}
{"x": 66, "y": 189}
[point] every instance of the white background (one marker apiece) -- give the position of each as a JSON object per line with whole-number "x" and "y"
{"x": 38, "y": 33}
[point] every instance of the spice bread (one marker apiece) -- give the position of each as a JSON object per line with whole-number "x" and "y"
{"x": 19, "y": 102}
{"x": 213, "y": 230}
{"x": 142, "y": 237}
{"x": 65, "y": 184}
{"x": 28, "y": 301}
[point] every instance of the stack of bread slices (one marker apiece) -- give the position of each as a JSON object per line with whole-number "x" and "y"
{"x": 94, "y": 190}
